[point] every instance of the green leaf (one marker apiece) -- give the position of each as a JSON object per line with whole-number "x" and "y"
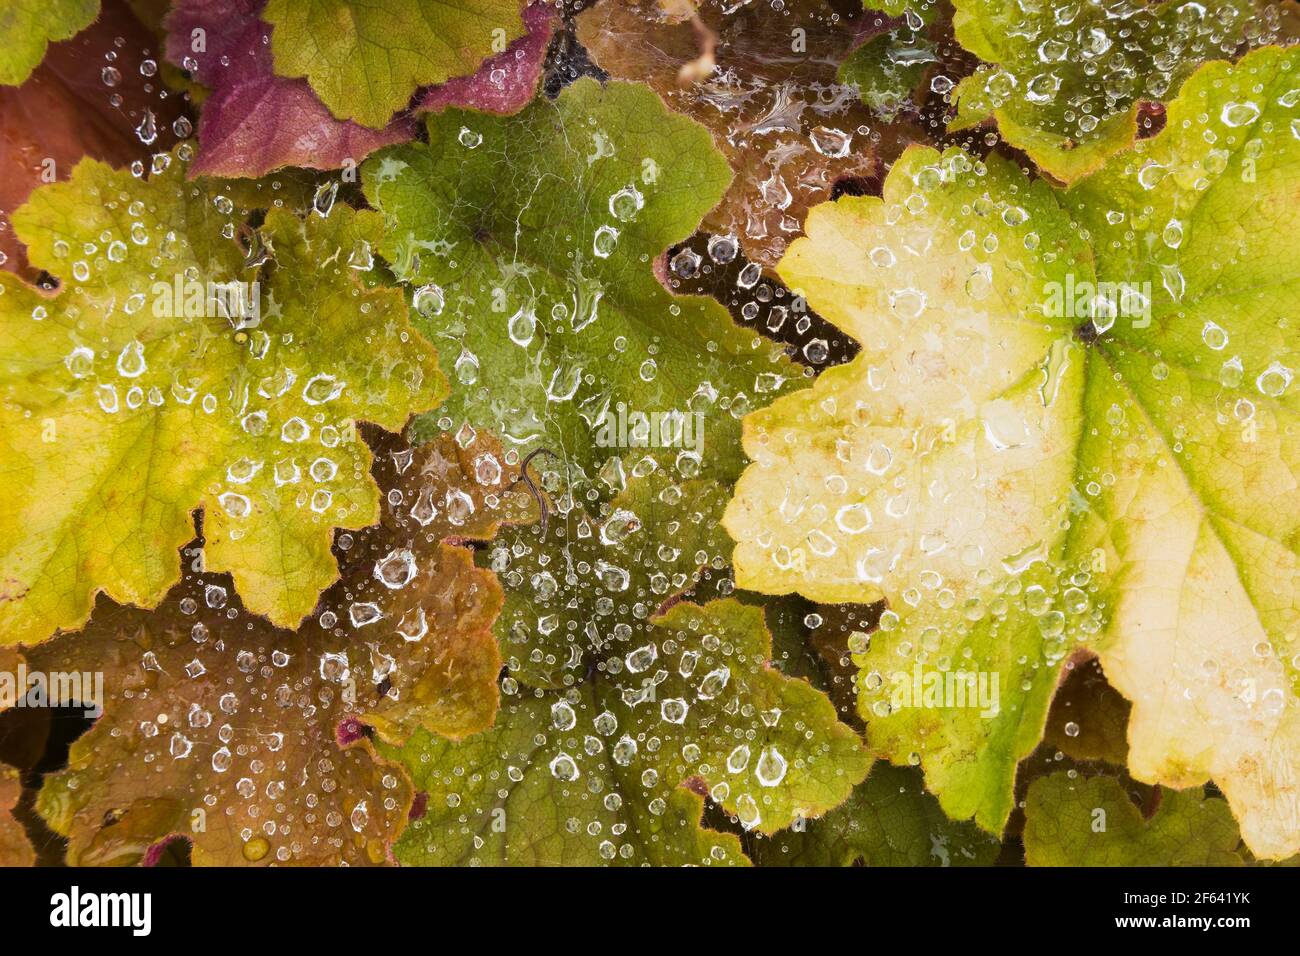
{"x": 917, "y": 12}
{"x": 1201, "y": 423}
{"x": 851, "y": 475}
{"x": 567, "y": 589}
{"x": 538, "y": 287}
{"x": 1064, "y": 83}
{"x": 27, "y": 27}
{"x": 696, "y": 705}
{"x": 365, "y": 60}
{"x": 1026, "y": 463}
{"x": 495, "y": 800}
{"x": 127, "y": 406}
{"x": 888, "y": 821}
{"x": 887, "y": 69}
{"x": 1071, "y": 821}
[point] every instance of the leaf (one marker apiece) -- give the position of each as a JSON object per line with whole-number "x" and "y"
{"x": 15, "y": 847}
{"x": 889, "y": 820}
{"x": 852, "y": 476}
{"x": 697, "y": 706}
{"x": 538, "y": 289}
{"x": 1207, "y": 580}
{"x": 252, "y": 741}
{"x": 1065, "y": 89}
{"x": 28, "y": 26}
{"x": 789, "y": 128}
{"x": 119, "y": 421}
{"x": 568, "y": 588}
{"x": 1092, "y": 822}
{"x": 255, "y": 121}
{"x": 64, "y": 111}
{"x": 365, "y": 60}
{"x": 1023, "y": 475}
{"x": 505, "y": 81}
{"x": 507, "y": 807}
{"x": 887, "y": 69}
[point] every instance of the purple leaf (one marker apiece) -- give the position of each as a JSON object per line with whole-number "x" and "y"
{"x": 506, "y": 81}
{"x": 255, "y": 121}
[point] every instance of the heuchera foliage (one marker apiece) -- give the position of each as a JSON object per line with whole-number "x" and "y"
{"x": 624, "y": 433}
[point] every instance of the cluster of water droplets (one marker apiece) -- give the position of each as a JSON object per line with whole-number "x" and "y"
{"x": 247, "y": 720}
{"x": 1079, "y": 64}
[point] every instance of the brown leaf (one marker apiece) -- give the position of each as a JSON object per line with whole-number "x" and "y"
{"x": 253, "y": 742}
{"x": 770, "y": 101}
{"x": 15, "y": 848}
{"x": 1089, "y": 718}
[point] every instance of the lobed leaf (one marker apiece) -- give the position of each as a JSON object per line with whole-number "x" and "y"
{"x": 586, "y": 584}
{"x": 1071, "y": 821}
{"x": 253, "y": 742}
{"x": 1202, "y": 517}
{"x": 1064, "y": 83}
{"x": 597, "y": 771}
{"x": 137, "y": 394}
{"x": 29, "y": 26}
{"x": 365, "y": 60}
{"x": 538, "y": 289}
{"x": 889, "y": 820}
{"x": 1024, "y": 462}
{"x": 494, "y": 800}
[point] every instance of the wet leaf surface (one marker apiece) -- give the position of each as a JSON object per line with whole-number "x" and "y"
{"x": 253, "y": 742}
{"x": 141, "y": 392}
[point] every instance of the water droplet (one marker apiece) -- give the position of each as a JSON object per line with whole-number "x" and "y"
{"x": 563, "y": 767}
{"x": 738, "y": 759}
{"x": 626, "y": 203}
{"x": 674, "y": 710}
{"x": 429, "y": 300}
{"x": 771, "y": 767}
{"x": 396, "y": 569}
{"x": 1239, "y": 114}
{"x": 147, "y": 130}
